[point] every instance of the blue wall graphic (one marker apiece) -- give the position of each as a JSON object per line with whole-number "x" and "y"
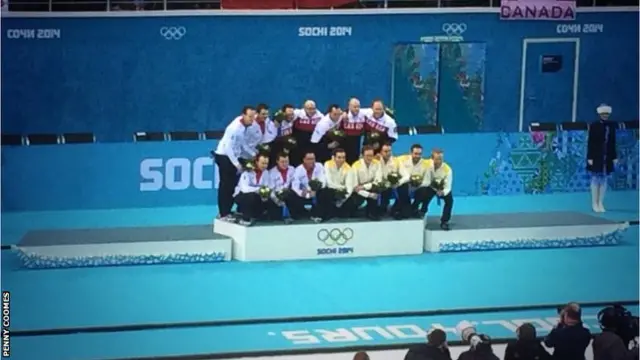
{"x": 132, "y": 175}
{"x": 415, "y": 86}
{"x": 117, "y": 75}
{"x": 461, "y": 92}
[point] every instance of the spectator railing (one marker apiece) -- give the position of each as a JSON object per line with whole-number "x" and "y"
{"x": 164, "y": 5}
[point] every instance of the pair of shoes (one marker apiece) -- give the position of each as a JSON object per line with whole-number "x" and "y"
{"x": 229, "y": 218}
{"x": 245, "y": 222}
{"x": 445, "y": 226}
{"x": 373, "y": 217}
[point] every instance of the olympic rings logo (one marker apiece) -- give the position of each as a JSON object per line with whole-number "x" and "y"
{"x": 454, "y": 29}
{"x": 173, "y": 32}
{"x": 335, "y": 236}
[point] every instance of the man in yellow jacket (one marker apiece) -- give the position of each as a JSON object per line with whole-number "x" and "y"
{"x": 440, "y": 178}
{"x": 366, "y": 175}
{"x": 413, "y": 169}
{"x": 339, "y": 187}
{"x": 390, "y": 166}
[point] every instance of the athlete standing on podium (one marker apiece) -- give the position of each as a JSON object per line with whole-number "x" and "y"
{"x": 304, "y": 122}
{"x": 353, "y": 123}
{"x": 321, "y": 140}
{"x": 227, "y": 155}
{"x": 380, "y": 128}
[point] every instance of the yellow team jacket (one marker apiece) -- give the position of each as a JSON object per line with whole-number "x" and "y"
{"x": 365, "y": 175}
{"x": 391, "y": 166}
{"x": 444, "y": 174}
{"x": 338, "y": 178}
{"x": 408, "y": 168}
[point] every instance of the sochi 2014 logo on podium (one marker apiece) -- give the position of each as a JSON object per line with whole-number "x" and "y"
{"x": 335, "y": 240}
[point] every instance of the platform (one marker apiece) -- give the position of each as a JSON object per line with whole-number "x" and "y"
{"x": 535, "y": 230}
{"x": 122, "y": 246}
{"x": 335, "y": 239}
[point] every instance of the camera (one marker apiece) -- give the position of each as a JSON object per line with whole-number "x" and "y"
{"x": 479, "y": 342}
{"x": 619, "y": 320}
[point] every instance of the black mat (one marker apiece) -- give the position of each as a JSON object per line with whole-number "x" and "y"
{"x": 518, "y": 220}
{"x": 118, "y": 235}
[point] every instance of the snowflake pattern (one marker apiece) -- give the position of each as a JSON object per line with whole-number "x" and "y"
{"x": 33, "y": 261}
{"x": 613, "y": 238}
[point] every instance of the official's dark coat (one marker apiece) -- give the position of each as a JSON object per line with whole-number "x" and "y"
{"x": 601, "y": 152}
{"x": 427, "y": 352}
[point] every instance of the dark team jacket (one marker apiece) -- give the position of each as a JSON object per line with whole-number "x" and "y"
{"x": 601, "y": 155}
{"x": 427, "y": 352}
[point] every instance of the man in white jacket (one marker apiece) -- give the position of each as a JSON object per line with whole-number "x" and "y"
{"x": 309, "y": 184}
{"x": 281, "y": 177}
{"x": 248, "y": 195}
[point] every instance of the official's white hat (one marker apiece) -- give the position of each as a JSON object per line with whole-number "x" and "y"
{"x": 604, "y": 109}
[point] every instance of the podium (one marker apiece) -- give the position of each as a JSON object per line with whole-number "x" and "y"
{"x": 335, "y": 239}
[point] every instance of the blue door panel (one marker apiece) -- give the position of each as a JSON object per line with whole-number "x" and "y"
{"x": 548, "y": 96}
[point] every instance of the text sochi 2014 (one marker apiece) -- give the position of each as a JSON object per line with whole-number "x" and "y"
{"x": 321, "y": 31}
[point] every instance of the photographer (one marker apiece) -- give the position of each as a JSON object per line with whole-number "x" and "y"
{"x": 480, "y": 351}
{"x": 611, "y": 344}
{"x": 434, "y": 349}
{"x": 527, "y": 346}
{"x": 361, "y": 356}
{"x": 569, "y": 338}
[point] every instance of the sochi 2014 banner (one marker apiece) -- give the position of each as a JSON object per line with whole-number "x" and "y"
{"x": 558, "y": 10}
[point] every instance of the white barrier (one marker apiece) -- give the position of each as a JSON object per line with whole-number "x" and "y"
{"x": 322, "y": 241}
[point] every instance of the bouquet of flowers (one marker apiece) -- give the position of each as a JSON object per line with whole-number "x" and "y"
{"x": 282, "y": 194}
{"x": 249, "y": 166}
{"x": 437, "y": 185}
{"x": 389, "y": 111}
{"x": 264, "y": 149}
{"x": 340, "y": 194}
{"x": 279, "y": 117}
{"x": 288, "y": 143}
{"x": 336, "y": 135}
{"x": 416, "y": 180}
{"x": 393, "y": 178}
{"x": 315, "y": 184}
{"x": 374, "y": 136}
{"x": 377, "y": 187}
{"x": 264, "y": 192}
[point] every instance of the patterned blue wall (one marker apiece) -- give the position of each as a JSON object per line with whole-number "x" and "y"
{"x": 546, "y": 162}
{"x": 91, "y": 176}
{"x": 116, "y": 75}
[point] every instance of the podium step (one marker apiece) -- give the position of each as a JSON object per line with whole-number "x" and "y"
{"x": 122, "y": 246}
{"x": 483, "y": 232}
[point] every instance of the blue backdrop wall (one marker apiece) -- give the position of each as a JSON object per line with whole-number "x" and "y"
{"x": 117, "y": 75}
{"x": 122, "y": 175}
